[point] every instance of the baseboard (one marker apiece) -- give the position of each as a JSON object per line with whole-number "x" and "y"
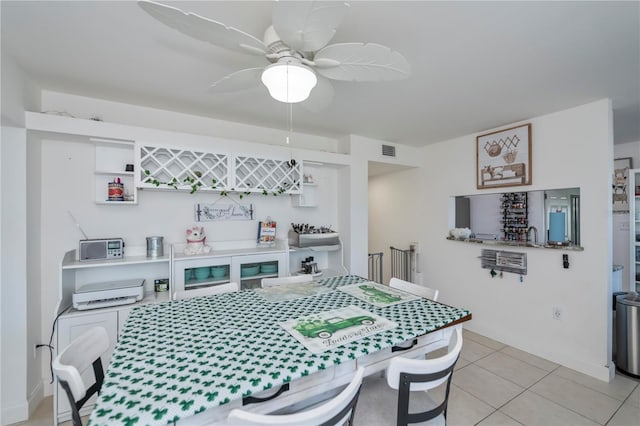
{"x": 36, "y": 397}
{"x": 15, "y": 413}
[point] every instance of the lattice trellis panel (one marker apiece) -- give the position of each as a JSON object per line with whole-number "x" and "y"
{"x": 182, "y": 168}
{"x": 261, "y": 174}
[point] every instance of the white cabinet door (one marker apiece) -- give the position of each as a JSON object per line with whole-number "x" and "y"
{"x": 249, "y": 270}
{"x": 200, "y": 272}
{"x": 72, "y": 326}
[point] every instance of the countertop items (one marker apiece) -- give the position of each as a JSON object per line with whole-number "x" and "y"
{"x": 517, "y": 244}
{"x": 305, "y": 235}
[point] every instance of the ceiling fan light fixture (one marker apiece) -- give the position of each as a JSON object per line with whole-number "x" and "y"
{"x": 288, "y": 81}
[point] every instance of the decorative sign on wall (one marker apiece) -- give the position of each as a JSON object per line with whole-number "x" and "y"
{"x": 620, "y": 197}
{"x": 504, "y": 158}
{"x": 211, "y": 212}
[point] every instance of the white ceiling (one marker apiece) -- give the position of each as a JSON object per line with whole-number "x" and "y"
{"x": 476, "y": 65}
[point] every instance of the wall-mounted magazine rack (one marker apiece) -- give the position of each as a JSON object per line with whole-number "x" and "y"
{"x": 504, "y": 261}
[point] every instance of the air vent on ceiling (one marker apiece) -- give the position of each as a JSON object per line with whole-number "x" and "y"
{"x": 388, "y": 150}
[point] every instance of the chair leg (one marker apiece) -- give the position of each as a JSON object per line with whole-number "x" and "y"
{"x": 75, "y": 413}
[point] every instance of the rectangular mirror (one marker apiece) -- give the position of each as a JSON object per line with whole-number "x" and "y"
{"x": 549, "y": 217}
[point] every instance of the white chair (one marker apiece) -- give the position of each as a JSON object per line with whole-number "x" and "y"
{"x": 207, "y": 291}
{"x": 295, "y": 279}
{"x": 411, "y": 375}
{"x": 68, "y": 366}
{"x": 418, "y": 290}
{"x": 336, "y": 411}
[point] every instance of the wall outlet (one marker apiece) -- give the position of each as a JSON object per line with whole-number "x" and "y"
{"x": 556, "y": 313}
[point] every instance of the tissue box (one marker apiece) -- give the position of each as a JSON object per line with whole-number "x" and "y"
{"x": 313, "y": 240}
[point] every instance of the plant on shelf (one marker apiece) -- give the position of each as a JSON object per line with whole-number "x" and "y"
{"x": 195, "y": 184}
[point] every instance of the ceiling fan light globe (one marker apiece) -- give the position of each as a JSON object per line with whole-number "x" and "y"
{"x": 289, "y": 82}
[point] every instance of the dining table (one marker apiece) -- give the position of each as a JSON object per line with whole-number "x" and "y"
{"x": 191, "y": 361}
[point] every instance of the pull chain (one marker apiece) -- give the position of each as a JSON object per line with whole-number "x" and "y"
{"x": 290, "y": 107}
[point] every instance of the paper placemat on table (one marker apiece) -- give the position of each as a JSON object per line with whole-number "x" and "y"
{"x": 290, "y": 291}
{"x": 378, "y": 295}
{"x": 330, "y": 329}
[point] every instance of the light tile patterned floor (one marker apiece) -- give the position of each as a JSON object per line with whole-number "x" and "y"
{"x": 495, "y": 384}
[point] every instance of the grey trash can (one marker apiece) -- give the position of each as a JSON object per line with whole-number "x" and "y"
{"x": 628, "y": 334}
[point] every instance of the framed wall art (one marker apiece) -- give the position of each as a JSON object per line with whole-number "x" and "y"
{"x": 504, "y": 158}
{"x": 620, "y": 193}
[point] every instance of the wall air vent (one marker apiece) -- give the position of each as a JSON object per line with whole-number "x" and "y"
{"x": 388, "y": 151}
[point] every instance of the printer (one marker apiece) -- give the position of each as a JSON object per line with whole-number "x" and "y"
{"x": 108, "y": 293}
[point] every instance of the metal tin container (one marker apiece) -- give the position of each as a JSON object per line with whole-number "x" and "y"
{"x": 313, "y": 240}
{"x": 155, "y": 246}
{"x": 628, "y": 334}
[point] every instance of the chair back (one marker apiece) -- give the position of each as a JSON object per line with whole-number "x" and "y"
{"x": 408, "y": 375}
{"x": 336, "y": 411}
{"x": 425, "y": 366}
{"x": 295, "y": 279}
{"x": 68, "y": 366}
{"x": 207, "y": 291}
{"x": 418, "y": 290}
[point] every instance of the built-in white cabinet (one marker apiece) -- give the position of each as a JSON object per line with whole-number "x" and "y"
{"x": 137, "y": 164}
{"x": 115, "y": 185}
{"x": 249, "y": 270}
{"x": 71, "y": 323}
{"x": 634, "y": 229}
{"x": 329, "y": 260}
{"x": 308, "y": 196}
{"x": 244, "y": 265}
{"x": 197, "y": 170}
{"x": 179, "y": 168}
{"x": 274, "y": 176}
{"x": 192, "y": 272}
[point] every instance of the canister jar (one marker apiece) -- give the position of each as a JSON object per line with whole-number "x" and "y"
{"x": 155, "y": 246}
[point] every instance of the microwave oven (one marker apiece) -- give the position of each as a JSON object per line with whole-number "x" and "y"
{"x": 101, "y": 249}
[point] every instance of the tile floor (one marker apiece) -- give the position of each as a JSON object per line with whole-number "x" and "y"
{"x": 495, "y": 384}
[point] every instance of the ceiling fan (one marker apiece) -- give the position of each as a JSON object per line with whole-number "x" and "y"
{"x": 294, "y": 60}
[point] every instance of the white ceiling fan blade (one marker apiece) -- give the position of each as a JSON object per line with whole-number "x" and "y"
{"x": 204, "y": 29}
{"x": 321, "y": 96}
{"x": 307, "y": 25}
{"x": 361, "y": 62}
{"x": 239, "y": 80}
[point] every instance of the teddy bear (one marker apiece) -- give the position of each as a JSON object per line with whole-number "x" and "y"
{"x": 196, "y": 241}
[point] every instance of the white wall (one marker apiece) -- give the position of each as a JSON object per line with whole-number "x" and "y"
{"x": 18, "y": 321}
{"x": 572, "y": 148}
{"x": 363, "y": 150}
{"x": 621, "y": 242}
{"x": 391, "y": 207}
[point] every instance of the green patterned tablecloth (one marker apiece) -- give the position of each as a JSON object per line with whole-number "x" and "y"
{"x": 176, "y": 359}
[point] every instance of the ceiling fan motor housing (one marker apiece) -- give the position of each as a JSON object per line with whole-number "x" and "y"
{"x": 279, "y": 48}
